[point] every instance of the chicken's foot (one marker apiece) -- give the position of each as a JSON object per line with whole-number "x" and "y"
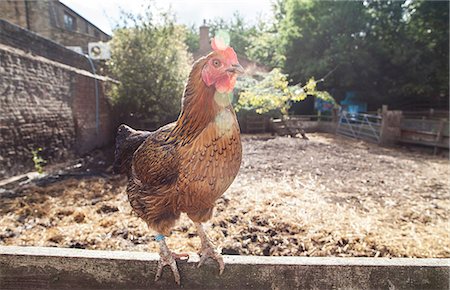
{"x": 207, "y": 249}
{"x": 166, "y": 258}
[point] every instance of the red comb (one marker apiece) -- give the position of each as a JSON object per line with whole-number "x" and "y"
{"x": 219, "y": 45}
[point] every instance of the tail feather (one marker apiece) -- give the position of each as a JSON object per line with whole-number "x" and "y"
{"x": 127, "y": 142}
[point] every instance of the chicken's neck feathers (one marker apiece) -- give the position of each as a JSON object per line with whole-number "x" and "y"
{"x": 198, "y": 107}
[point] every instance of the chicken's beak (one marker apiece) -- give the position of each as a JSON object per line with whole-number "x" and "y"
{"x": 236, "y": 68}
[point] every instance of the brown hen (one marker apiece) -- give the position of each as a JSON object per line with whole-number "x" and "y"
{"x": 185, "y": 166}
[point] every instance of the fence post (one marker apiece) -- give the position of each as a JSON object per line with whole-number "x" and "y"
{"x": 334, "y": 120}
{"x": 390, "y": 126}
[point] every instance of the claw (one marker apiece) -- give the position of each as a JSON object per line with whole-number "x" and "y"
{"x": 208, "y": 252}
{"x": 184, "y": 257}
{"x": 168, "y": 260}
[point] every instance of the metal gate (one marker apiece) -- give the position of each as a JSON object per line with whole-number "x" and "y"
{"x": 360, "y": 126}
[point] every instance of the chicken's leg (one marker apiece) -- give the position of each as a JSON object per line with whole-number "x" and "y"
{"x": 166, "y": 258}
{"x": 207, "y": 249}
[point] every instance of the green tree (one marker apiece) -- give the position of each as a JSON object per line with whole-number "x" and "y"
{"x": 192, "y": 38}
{"x": 264, "y": 45}
{"x": 409, "y": 41}
{"x": 430, "y": 27}
{"x": 273, "y": 93}
{"x": 149, "y": 57}
{"x": 258, "y": 42}
{"x": 393, "y": 52}
{"x": 318, "y": 36}
{"x": 240, "y": 32}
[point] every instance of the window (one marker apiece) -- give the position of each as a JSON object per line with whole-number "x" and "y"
{"x": 69, "y": 22}
{"x": 96, "y": 33}
{"x": 86, "y": 30}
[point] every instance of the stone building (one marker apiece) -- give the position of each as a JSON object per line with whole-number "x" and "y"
{"x": 53, "y": 20}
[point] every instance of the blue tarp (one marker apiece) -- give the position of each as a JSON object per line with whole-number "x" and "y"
{"x": 352, "y": 105}
{"x": 322, "y": 105}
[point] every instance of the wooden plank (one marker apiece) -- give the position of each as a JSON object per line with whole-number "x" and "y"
{"x": 437, "y": 139}
{"x": 256, "y": 124}
{"x": 424, "y": 125}
{"x": 424, "y": 143}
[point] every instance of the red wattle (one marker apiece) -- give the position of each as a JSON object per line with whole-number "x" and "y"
{"x": 225, "y": 84}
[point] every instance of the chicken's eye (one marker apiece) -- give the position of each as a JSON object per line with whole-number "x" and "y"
{"x": 216, "y": 62}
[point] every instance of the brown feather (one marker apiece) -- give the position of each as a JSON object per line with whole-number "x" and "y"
{"x": 186, "y": 166}
{"x": 127, "y": 141}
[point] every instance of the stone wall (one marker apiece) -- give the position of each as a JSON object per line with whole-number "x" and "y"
{"x": 33, "y": 113}
{"x": 87, "y": 135}
{"x": 47, "y": 104}
{"x": 90, "y": 269}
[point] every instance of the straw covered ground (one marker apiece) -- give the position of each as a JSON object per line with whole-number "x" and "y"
{"x": 329, "y": 196}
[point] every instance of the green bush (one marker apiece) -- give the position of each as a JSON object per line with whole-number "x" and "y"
{"x": 269, "y": 93}
{"x": 150, "y": 59}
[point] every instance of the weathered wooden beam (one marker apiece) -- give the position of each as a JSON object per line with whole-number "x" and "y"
{"x": 57, "y": 268}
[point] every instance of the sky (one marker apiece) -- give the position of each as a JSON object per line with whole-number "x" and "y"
{"x": 106, "y": 13}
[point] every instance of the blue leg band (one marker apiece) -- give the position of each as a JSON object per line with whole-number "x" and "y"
{"x": 159, "y": 237}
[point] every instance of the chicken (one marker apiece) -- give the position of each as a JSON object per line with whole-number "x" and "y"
{"x": 185, "y": 166}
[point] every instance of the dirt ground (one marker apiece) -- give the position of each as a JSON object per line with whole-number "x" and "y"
{"x": 329, "y": 196}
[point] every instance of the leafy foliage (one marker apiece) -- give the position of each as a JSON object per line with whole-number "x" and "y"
{"x": 388, "y": 52}
{"x": 258, "y": 42}
{"x": 150, "y": 59}
{"x": 192, "y": 38}
{"x": 241, "y": 33}
{"x": 273, "y": 92}
{"x": 38, "y": 161}
{"x": 264, "y": 46}
{"x": 392, "y": 52}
